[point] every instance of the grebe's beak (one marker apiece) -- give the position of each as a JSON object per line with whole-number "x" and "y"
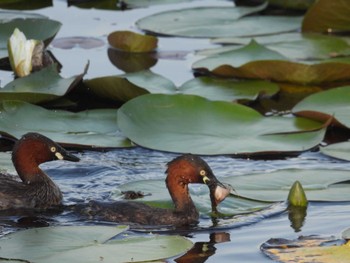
{"x": 220, "y": 192}
{"x": 62, "y": 154}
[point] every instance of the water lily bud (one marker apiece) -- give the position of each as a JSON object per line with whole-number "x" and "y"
{"x": 20, "y": 53}
{"x": 297, "y": 196}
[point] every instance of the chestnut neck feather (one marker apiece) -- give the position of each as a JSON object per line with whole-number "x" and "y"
{"x": 178, "y": 178}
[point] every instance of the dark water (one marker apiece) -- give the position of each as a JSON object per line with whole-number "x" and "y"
{"x": 98, "y": 174}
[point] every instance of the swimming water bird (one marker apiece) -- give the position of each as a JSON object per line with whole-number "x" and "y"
{"x": 181, "y": 172}
{"x": 36, "y": 190}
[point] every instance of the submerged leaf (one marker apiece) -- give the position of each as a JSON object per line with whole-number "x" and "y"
{"x": 187, "y": 123}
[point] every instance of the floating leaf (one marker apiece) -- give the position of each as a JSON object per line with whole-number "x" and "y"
{"x": 132, "y": 42}
{"x": 337, "y": 150}
{"x": 327, "y": 17}
{"x": 258, "y": 62}
{"x": 319, "y": 185}
{"x": 216, "y": 22}
{"x": 88, "y": 244}
{"x": 33, "y": 28}
{"x": 128, "y": 86}
{"x": 323, "y": 105}
{"x": 294, "y": 46}
{"x": 307, "y": 249}
{"x": 156, "y": 194}
{"x": 228, "y": 89}
{"x": 92, "y": 128}
{"x": 41, "y": 86}
{"x": 186, "y": 123}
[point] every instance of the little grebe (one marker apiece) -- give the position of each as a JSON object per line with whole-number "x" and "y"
{"x": 36, "y": 190}
{"x": 181, "y": 171}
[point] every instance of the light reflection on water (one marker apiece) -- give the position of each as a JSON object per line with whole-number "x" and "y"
{"x": 98, "y": 174}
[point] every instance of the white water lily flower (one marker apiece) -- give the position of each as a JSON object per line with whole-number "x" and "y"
{"x": 20, "y": 53}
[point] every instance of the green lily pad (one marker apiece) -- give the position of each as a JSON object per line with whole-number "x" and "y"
{"x": 187, "y": 123}
{"x": 41, "y": 86}
{"x": 88, "y": 244}
{"x": 128, "y": 86}
{"x": 319, "y": 185}
{"x": 92, "y": 128}
{"x": 227, "y": 89}
{"x": 34, "y": 27}
{"x": 156, "y": 194}
{"x": 255, "y": 61}
{"x": 217, "y": 22}
{"x": 294, "y": 46}
{"x": 325, "y": 104}
{"x": 339, "y": 150}
{"x": 327, "y": 17}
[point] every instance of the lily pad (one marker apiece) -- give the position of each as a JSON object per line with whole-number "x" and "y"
{"x": 128, "y": 86}
{"x": 294, "y": 46}
{"x": 339, "y": 150}
{"x": 88, "y": 244}
{"x": 132, "y": 42}
{"x": 255, "y": 61}
{"x": 327, "y": 17}
{"x": 319, "y": 185}
{"x": 92, "y": 128}
{"x": 228, "y": 89}
{"x": 217, "y": 22}
{"x": 41, "y": 86}
{"x": 307, "y": 249}
{"x": 156, "y": 194}
{"x": 323, "y": 105}
{"x": 187, "y": 123}
{"x": 33, "y": 28}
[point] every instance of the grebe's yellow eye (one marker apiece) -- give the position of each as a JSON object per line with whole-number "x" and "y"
{"x": 203, "y": 173}
{"x": 53, "y": 149}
